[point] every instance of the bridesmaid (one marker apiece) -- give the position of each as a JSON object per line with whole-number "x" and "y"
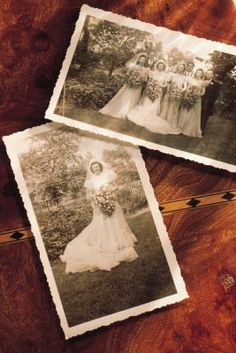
{"x": 129, "y": 95}
{"x": 152, "y": 94}
{"x": 172, "y": 100}
{"x": 190, "y": 110}
{"x": 147, "y": 112}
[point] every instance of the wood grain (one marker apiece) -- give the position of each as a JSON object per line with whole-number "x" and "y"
{"x": 34, "y": 37}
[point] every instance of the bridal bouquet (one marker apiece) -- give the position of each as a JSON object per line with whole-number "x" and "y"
{"x": 153, "y": 89}
{"x": 134, "y": 79}
{"x": 174, "y": 92}
{"x": 105, "y": 202}
{"x": 190, "y": 98}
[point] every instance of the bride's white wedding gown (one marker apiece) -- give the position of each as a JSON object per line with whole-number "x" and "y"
{"x": 106, "y": 241}
{"x": 127, "y": 97}
{"x": 147, "y": 112}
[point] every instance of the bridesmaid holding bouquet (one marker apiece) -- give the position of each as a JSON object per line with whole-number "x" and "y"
{"x": 175, "y": 91}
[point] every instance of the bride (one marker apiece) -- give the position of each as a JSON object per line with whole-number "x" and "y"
{"x": 107, "y": 240}
{"x": 129, "y": 95}
{"x": 147, "y": 112}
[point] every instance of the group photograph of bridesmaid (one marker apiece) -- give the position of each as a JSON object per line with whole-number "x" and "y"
{"x": 164, "y": 89}
{"x": 164, "y": 97}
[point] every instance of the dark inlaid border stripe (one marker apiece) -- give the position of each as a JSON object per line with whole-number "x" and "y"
{"x": 15, "y": 236}
{"x": 199, "y": 201}
{"x": 185, "y": 204}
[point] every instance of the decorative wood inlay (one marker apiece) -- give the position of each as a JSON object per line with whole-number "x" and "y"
{"x": 189, "y": 203}
{"x": 15, "y": 236}
{"x": 214, "y": 199}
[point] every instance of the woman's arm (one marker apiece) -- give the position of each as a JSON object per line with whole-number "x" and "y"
{"x": 184, "y": 86}
{"x": 203, "y": 90}
{"x": 89, "y": 194}
{"x": 170, "y": 77}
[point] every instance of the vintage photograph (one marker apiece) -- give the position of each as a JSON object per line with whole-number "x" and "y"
{"x": 149, "y": 86}
{"x": 97, "y": 225}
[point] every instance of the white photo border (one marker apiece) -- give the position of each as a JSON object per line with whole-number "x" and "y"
{"x": 11, "y": 143}
{"x": 152, "y": 29}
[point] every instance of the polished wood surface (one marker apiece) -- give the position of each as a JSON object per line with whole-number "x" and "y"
{"x": 34, "y": 37}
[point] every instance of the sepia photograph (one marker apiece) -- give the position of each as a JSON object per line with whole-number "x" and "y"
{"x": 97, "y": 225}
{"x": 149, "y": 86}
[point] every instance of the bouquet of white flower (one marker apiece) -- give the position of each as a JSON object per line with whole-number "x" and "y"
{"x": 153, "y": 89}
{"x": 190, "y": 98}
{"x": 105, "y": 201}
{"x": 134, "y": 79}
{"x": 174, "y": 92}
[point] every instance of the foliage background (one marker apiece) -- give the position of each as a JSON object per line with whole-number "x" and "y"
{"x": 55, "y": 171}
{"x": 97, "y": 71}
{"x": 224, "y": 66}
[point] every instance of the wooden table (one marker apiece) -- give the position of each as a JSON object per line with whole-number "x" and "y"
{"x": 34, "y": 38}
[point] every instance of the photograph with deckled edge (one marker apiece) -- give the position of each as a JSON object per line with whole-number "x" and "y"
{"x": 97, "y": 226}
{"x": 150, "y": 86}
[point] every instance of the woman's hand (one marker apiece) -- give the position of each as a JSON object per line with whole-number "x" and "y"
{"x": 203, "y": 91}
{"x": 184, "y": 86}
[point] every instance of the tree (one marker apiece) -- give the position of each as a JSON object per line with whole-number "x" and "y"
{"x": 177, "y": 54}
{"x": 55, "y": 172}
{"x": 50, "y": 156}
{"x": 82, "y": 56}
{"x": 114, "y": 44}
{"x": 223, "y": 66}
{"x": 222, "y": 63}
{"x": 131, "y": 194}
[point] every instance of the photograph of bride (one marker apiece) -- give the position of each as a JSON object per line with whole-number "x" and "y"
{"x": 107, "y": 240}
{"x": 157, "y": 88}
{"x": 98, "y": 228}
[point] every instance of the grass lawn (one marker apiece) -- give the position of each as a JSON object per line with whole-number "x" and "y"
{"x": 217, "y": 143}
{"x": 89, "y": 295}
